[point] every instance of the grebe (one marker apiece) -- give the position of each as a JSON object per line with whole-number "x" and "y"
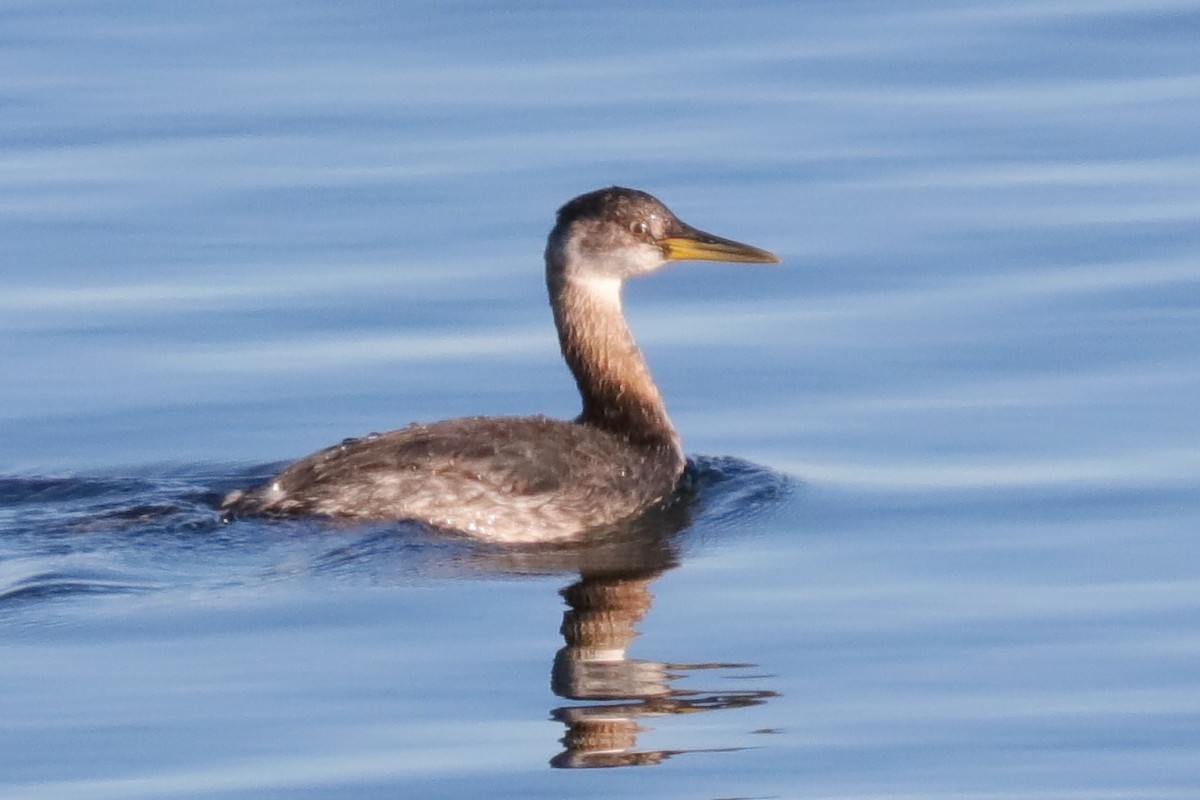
{"x": 532, "y": 479}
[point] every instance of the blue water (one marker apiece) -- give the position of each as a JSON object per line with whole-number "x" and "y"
{"x": 944, "y": 541}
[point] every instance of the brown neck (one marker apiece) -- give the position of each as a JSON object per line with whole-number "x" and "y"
{"x": 619, "y": 396}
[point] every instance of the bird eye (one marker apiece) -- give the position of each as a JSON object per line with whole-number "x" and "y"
{"x": 639, "y": 228}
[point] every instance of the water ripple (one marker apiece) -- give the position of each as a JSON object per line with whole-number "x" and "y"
{"x": 111, "y": 536}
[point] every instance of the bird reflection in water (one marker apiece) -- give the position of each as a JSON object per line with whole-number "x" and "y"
{"x": 598, "y": 627}
{"x": 616, "y": 693}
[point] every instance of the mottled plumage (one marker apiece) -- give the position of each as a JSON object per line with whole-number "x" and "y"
{"x": 502, "y": 478}
{"x": 531, "y": 479}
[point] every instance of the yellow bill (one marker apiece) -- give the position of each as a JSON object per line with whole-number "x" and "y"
{"x": 691, "y": 244}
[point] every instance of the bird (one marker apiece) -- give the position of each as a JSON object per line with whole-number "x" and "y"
{"x": 510, "y": 479}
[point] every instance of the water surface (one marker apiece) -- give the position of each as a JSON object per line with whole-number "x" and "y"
{"x": 945, "y": 541}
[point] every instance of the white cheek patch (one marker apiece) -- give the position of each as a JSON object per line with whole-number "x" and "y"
{"x": 619, "y": 263}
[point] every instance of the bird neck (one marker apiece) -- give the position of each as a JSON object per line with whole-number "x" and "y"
{"x": 619, "y": 395}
